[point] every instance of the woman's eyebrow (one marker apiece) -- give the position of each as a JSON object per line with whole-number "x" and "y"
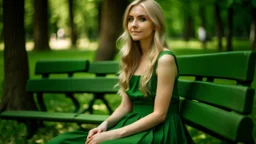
{"x": 142, "y": 15}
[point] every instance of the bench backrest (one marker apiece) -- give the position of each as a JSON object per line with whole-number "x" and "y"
{"x": 73, "y": 85}
{"x": 218, "y": 109}
{"x": 71, "y": 66}
{"x": 47, "y": 67}
{"x": 102, "y": 68}
{"x": 237, "y": 66}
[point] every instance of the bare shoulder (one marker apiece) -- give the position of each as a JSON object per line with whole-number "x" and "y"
{"x": 166, "y": 64}
{"x": 166, "y": 59}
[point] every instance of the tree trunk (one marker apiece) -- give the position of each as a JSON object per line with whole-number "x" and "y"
{"x": 16, "y": 71}
{"x": 71, "y": 22}
{"x": 111, "y": 27}
{"x": 253, "y": 29}
{"x": 188, "y": 21}
{"x": 219, "y": 26}
{"x": 41, "y": 37}
{"x": 202, "y": 15}
{"x": 188, "y": 33}
{"x": 230, "y": 28}
{"x": 1, "y": 20}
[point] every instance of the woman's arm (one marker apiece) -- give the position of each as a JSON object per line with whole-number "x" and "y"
{"x": 124, "y": 108}
{"x": 166, "y": 73}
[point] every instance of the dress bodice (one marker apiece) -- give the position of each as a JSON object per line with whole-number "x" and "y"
{"x": 136, "y": 95}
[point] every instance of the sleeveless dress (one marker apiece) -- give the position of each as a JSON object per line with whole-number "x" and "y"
{"x": 171, "y": 131}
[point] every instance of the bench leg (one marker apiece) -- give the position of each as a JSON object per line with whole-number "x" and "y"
{"x": 40, "y": 101}
{"x": 90, "y": 107}
{"x": 95, "y": 97}
{"x": 32, "y": 127}
{"x": 107, "y": 105}
{"x": 75, "y": 101}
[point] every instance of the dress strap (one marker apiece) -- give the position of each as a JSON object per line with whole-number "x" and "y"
{"x": 163, "y": 53}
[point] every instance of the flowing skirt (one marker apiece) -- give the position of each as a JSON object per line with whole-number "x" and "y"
{"x": 171, "y": 131}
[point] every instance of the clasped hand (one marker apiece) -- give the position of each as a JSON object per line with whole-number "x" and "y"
{"x": 96, "y": 136}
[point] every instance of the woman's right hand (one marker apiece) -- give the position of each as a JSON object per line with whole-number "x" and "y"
{"x": 93, "y": 132}
{"x": 101, "y": 128}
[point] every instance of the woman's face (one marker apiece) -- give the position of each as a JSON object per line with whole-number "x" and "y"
{"x": 140, "y": 26}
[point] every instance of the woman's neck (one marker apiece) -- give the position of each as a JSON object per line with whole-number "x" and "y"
{"x": 145, "y": 45}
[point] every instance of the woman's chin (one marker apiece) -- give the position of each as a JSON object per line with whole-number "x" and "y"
{"x": 135, "y": 38}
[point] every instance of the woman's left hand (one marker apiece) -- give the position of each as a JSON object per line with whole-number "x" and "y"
{"x": 101, "y": 137}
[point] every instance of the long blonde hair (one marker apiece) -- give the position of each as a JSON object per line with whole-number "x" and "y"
{"x": 130, "y": 52}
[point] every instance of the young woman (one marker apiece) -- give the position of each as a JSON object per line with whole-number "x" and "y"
{"x": 149, "y": 109}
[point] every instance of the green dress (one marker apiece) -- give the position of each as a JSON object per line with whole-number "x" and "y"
{"x": 171, "y": 131}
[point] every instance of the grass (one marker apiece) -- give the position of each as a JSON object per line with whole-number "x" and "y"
{"x": 13, "y": 132}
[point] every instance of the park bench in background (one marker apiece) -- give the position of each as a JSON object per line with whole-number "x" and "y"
{"x": 216, "y": 98}
{"x": 98, "y": 85}
{"x": 45, "y": 68}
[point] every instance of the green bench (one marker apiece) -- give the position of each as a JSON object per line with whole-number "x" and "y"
{"x": 218, "y": 100}
{"x": 70, "y": 67}
{"x": 97, "y": 85}
{"x": 215, "y": 92}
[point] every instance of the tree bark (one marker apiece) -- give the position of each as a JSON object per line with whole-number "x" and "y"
{"x": 219, "y": 26}
{"x": 188, "y": 32}
{"x": 202, "y": 15}
{"x": 230, "y": 28}
{"x": 41, "y": 37}
{"x": 111, "y": 27}
{"x": 72, "y": 25}
{"x": 253, "y": 41}
{"x": 16, "y": 71}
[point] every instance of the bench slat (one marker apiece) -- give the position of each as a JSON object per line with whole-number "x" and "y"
{"x": 229, "y": 65}
{"x": 229, "y": 125}
{"x": 73, "y": 85}
{"x": 103, "y": 67}
{"x": 231, "y": 97}
{"x": 53, "y": 116}
{"x": 61, "y": 66}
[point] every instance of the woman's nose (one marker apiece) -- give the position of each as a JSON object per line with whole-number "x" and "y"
{"x": 134, "y": 23}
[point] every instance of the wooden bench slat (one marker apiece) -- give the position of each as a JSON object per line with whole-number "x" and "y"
{"x": 230, "y": 65}
{"x": 103, "y": 67}
{"x": 61, "y": 66}
{"x": 94, "y": 119}
{"x": 73, "y": 85}
{"x": 231, "y": 97}
{"x": 229, "y": 125}
{"x": 53, "y": 116}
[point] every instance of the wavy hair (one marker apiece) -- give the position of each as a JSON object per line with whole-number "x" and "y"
{"x": 130, "y": 52}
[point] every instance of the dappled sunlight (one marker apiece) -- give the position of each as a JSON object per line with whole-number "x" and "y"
{"x": 176, "y": 44}
{"x": 192, "y": 44}
{"x": 63, "y": 44}
{"x": 60, "y": 44}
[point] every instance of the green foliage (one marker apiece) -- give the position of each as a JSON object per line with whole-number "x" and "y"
{"x": 254, "y": 3}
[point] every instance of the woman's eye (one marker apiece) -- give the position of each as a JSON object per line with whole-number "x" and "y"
{"x": 130, "y": 19}
{"x": 142, "y": 19}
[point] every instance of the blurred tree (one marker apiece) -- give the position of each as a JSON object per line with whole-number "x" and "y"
{"x": 28, "y": 19}
{"x": 219, "y": 26}
{"x": 229, "y": 28}
{"x": 16, "y": 71}
{"x": 41, "y": 37}
{"x": 111, "y": 27}
{"x": 253, "y": 25}
{"x": 189, "y": 29}
{"x": 1, "y": 22}
{"x": 71, "y": 23}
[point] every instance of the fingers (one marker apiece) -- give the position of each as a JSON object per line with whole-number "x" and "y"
{"x": 91, "y": 133}
{"x": 99, "y": 131}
